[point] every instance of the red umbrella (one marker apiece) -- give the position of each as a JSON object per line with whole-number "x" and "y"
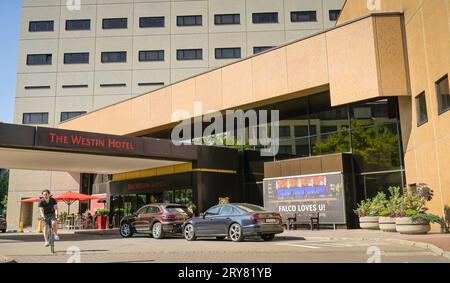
{"x": 71, "y": 197}
{"x": 37, "y": 199}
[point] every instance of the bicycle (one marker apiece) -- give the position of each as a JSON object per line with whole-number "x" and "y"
{"x": 50, "y": 235}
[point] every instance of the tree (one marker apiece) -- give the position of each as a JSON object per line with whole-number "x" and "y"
{"x": 377, "y": 146}
{"x": 4, "y": 189}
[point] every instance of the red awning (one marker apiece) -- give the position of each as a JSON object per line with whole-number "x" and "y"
{"x": 37, "y": 199}
{"x": 71, "y": 196}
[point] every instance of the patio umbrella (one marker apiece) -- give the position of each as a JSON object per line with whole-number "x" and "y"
{"x": 71, "y": 197}
{"x": 36, "y": 199}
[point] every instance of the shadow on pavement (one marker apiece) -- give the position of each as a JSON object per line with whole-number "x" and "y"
{"x": 63, "y": 237}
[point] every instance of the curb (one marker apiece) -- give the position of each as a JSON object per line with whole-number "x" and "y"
{"x": 422, "y": 245}
{"x": 4, "y": 259}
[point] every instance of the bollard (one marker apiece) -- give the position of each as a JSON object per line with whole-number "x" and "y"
{"x": 39, "y": 229}
{"x": 21, "y": 227}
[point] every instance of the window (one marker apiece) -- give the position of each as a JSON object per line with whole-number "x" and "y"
{"x": 334, "y": 15}
{"x": 37, "y": 87}
{"x": 153, "y": 209}
{"x": 113, "y": 85}
{"x": 189, "y": 21}
{"x": 227, "y": 19}
{"x": 214, "y": 210}
{"x": 142, "y": 210}
{"x": 229, "y": 210}
{"x": 39, "y": 59}
{"x": 421, "y": 109}
{"x": 75, "y": 86}
{"x": 443, "y": 94}
{"x": 228, "y": 53}
{"x": 304, "y": 16}
{"x": 189, "y": 54}
{"x": 284, "y": 131}
{"x": 41, "y": 26}
{"x": 265, "y": 18}
{"x": 151, "y": 84}
{"x": 114, "y": 57}
{"x": 78, "y": 24}
{"x": 151, "y": 22}
{"x": 119, "y": 23}
{"x": 76, "y": 58}
{"x": 69, "y": 115}
{"x": 258, "y": 49}
{"x": 35, "y": 118}
{"x": 151, "y": 55}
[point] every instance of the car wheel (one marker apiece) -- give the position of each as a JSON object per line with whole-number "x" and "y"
{"x": 236, "y": 234}
{"x": 268, "y": 237}
{"x": 189, "y": 232}
{"x": 157, "y": 230}
{"x": 220, "y": 238}
{"x": 126, "y": 230}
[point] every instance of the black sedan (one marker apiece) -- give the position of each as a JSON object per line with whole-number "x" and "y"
{"x": 235, "y": 221}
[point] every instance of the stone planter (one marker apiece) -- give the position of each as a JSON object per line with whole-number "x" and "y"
{"x": 387, "y": 224}
{"x": 369, "y": 222}
{"x": 405, "y": 225}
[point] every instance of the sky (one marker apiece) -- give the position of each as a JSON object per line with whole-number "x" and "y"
{"x": 9, "y": 45}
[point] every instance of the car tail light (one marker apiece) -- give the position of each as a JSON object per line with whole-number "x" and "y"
{"x": 169, "y": 217}
{"x": 256, "y": 217}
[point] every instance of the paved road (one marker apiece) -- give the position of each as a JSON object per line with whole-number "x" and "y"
{"x": 97, "y": 248}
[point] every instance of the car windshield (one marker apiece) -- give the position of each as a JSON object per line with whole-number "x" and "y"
{"x": 251, "y": 207}
{"x": 178, "y": 209}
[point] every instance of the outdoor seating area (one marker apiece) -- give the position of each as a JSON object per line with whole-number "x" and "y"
{"x": 293, "y": 221}
{"x": 76, "y": 221}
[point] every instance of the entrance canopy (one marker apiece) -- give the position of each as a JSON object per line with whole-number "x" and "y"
{"x": 37, "y": 148}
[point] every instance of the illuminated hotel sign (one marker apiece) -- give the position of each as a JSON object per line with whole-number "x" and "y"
{"x": 87, "y": 141}
{"x": 307, "y": 195}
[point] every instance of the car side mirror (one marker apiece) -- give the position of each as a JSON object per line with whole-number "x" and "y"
{"x": 203, "y": 215}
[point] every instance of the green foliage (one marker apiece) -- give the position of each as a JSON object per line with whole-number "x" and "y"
{"x": 4, "y": 189}
{"x": 385, "y": 213}
{"x": 411, "y": 204}
{"x": 429, "y": 217}
{"x": 363, "y": 208}
{"x": 394, "y": 204}
{"x": 103, "y": 212}
{"x": 63, "y": 217}
{"x": 377, "y": 145}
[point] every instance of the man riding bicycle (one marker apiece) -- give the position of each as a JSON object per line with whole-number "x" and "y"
{"x": 48, "y": 208}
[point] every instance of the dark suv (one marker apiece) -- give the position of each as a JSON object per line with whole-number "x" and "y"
{"x": 155, "y": 219}
{"x": 2, "y": 224}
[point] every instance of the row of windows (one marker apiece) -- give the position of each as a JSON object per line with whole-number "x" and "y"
{"x": 40, "y": 87}
{"x": 443, "y": 99}
{"x": 42, "y": 118}
{"x": 144, "y": 56}
{"x": 191, "y": 20}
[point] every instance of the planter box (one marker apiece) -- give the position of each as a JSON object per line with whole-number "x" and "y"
{"x": 387, "y": 224}
{"x": 405, "y": 225}
{"x": 369, "y": 222}
{"x": 101, "y": 222}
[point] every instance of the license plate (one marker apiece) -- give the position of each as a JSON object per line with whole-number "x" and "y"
{"x": 271, "y": 220}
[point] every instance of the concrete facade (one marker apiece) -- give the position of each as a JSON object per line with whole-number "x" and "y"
{"x": 77, "y": 87}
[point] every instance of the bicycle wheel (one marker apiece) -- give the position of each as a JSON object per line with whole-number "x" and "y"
{"x": 51, "y": 239}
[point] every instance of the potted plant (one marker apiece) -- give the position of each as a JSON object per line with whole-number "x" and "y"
{"x": 102, "y": 215}
{"x": 367, "y": 219}
{"x": 387, "y": 214}
{"x": 411, "y": 215}
{"x": 193, "y": 208}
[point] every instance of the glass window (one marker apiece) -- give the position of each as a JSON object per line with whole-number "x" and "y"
{"x": 151, "y": 55}
{"x": 35, "y": 118}
{"x": 265, "y": 18}
{"x": 143, "y": 210}
{"x": 331, "y": 143}
{"x": 151, "y": 22}
{"x": 227, "y": 210}
{"x": 189, "y": 54}
{"x": 214, "y": 210}
{"x": 153, "y": 209}
{"x": 259, "y": 49}
{"x": 251, "y": 208}
{"x": 76, "y": 58}
{"x": 227, "y": 19}
{"x": 380, "y": 182}
{"x": 285, "y": 131}
{"x": 376, "y": 148}
{"x": 333, "y": 15}
{"x": 228, "y": 53}
{"x": 373, "y": 113}
{"x": 178, "y": 209}
{"x": 302, "y": 147}
{"x": 168, "y": 197}
{"x": 41, "y": 26}
{"x": 78, "y": 24}
{"x": 285, "y": 149}
{"x": 118, "y": 23}
{"x": 69, "y": 115}
{"x": 443, "y": 94}
{"x": 114, "y": 57}
{"x": 189, "y": 20}
{"x": 304, "y": 16}
{"x": 421, "y": 109}
{"x": 39, "y": 59}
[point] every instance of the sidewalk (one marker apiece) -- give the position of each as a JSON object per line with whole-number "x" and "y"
{"x": 438, "y": 243}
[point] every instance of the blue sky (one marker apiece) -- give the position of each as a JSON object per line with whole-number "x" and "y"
{"x": 9, "y": 31}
